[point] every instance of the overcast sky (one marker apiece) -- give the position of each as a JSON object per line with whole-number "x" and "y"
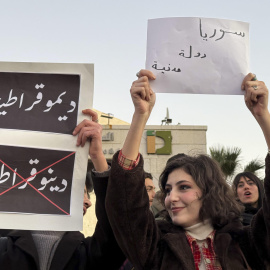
{"x": 112, "y": 35}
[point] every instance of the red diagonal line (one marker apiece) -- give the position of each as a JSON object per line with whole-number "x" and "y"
{"x": 25, "y": 180}
{"x": 48, "y": 199}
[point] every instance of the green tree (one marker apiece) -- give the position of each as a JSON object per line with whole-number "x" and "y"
{"x": 254, "y": 165}
{"x": 228, "y": 159}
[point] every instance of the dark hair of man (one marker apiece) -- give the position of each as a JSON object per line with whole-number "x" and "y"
{"x": 255, "y": 179}
{"x": 218, "y": 201}
{"x": 148, "y": 175}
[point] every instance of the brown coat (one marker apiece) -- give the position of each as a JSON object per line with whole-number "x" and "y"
{"x": 151, "y": 244}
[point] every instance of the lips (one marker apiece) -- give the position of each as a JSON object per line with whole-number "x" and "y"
{"x": 176, "y": 209}
{"x": 247, "y": 193}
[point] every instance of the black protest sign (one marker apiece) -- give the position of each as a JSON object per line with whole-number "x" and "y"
{"x": 42, "y": 171}
{"x": 39, "y": 101}
{"x": 35, "y": 180}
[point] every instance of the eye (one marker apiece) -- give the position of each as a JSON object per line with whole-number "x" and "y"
{"x": 251, "y": 183}
{"x": 184, "y": 187}
{"x": 240, "y": 185}
{"x": 167, "y": 191}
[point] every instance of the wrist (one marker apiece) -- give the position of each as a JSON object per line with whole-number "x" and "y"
{"x": 262, "y": 117}
{"x": 99, "y": 161}
{"x": 141, "y": 113}
{"x": 132, "y": 143}
{"x": 140, "y": 118}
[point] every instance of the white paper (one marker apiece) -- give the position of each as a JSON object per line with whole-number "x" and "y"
{"x": 52, "y": 141}
{"x": 198, "y": 55}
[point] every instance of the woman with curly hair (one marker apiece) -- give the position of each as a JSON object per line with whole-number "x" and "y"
{"x": 203, "y": 229}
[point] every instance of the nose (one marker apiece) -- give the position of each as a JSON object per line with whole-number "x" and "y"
{"x": 173, "y": 196}
{"x": 246, "y": 186}
{"x": 86, "y": 202}
{"x": 153, "y": 193}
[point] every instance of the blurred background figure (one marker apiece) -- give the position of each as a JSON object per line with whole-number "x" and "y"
{"x": 249, "y": 191}
{"x": 150, "y": 187}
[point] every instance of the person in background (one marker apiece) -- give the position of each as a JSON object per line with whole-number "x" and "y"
{"x": 203, "y": 229}
{"x": 56, "y": 250}
{"x": 150, "y": 187}
{"x": 249, "y": 191}
{"x": 157, "y": 207}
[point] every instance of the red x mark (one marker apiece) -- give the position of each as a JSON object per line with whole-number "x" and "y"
{"x": 25, "y": 180}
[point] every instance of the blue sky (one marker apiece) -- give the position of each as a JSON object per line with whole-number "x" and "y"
{"x": 112, "y": 35}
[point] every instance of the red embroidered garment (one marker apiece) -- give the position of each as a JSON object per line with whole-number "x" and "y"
{"x": 207, "y": 252}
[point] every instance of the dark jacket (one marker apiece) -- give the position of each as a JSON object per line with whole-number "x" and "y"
{"x": 248, "y": 214}
{"x": 151, "y": 244}
{"x": 74, "y": 252}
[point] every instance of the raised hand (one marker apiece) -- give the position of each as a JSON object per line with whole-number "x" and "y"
{"x": 256, "y": 95}
{"x": 256, "y": 98}
{"x": 92, "y": 131}
{"x": 141, "y": 93}
{"x": 143, "y": 99}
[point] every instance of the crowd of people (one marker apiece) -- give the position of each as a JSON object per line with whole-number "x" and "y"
{"x": 205, "y": 223}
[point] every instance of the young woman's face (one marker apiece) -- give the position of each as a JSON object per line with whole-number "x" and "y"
{"x": 247, "y": 192}
{"x": 182, "y": 199}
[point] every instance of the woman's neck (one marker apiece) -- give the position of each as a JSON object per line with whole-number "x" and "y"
{"x": 200, "y": 230}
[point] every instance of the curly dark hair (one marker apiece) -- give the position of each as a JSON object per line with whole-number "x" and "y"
{"x": 258, "y": 182}
{"x": 218, "y": 201}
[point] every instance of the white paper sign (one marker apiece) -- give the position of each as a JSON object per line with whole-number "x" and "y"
{"x": 42, "y": 172}
{"x": 197, "y": 55}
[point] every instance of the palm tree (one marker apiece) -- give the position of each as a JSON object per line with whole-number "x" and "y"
{"x": 254, "y": 165}
{"x": 228, "y": 159}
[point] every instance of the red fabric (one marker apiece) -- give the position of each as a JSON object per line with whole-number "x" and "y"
{"x": 207, "y": 252}
{"x": 126, "y": 163}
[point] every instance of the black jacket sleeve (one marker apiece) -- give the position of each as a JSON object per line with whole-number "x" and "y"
{"x": 103, "y": 250}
